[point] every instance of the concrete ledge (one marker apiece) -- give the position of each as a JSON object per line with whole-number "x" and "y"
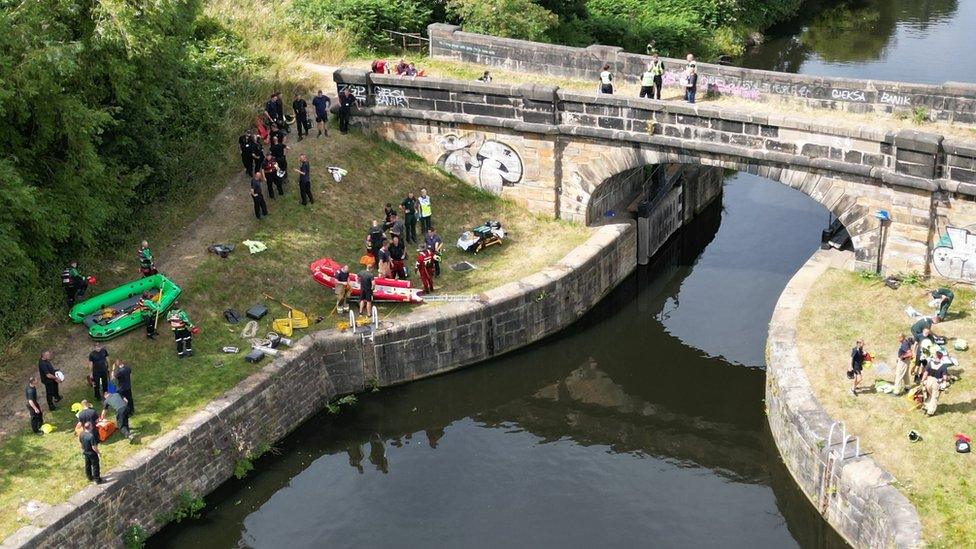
{"x": 800, "y": 425}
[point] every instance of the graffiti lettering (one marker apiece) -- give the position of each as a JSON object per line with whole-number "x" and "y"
{"x": 389, "y": 97}
{"x": 489, "y": 164}
{"x": 856, "y": 96}
{"x": 465, "y": 48}
{"x": 357, "y": 90}
{"x": 896, "y": 100}
{"x": 955, "y": 254}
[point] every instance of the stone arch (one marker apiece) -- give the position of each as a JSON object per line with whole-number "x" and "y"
{"x": 596, "y": 162}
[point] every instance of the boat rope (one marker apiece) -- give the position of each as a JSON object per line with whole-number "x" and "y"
{"x": 456, "y": 297}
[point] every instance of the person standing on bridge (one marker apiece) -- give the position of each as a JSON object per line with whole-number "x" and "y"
{"x": 691, "y": 82}
{"x": 606, "y": 80}
{"x": 657, "y": 69}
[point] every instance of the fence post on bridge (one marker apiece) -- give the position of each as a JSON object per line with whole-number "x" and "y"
{"x": 643, "y": 232}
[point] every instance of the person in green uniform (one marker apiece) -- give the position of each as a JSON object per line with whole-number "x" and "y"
{"x": 945, "y": 297}
{"x": 146, "y": 264}
{"x": 150, "y": 312}
{"x": 181, "y": 325}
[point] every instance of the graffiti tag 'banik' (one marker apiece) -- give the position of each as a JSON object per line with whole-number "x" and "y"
{"x": 955, "y": 254}
{"x": 390, "y": 97}
{"x": 489, "y": 164}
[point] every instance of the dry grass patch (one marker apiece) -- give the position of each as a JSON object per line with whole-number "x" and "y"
{"x": 844, "y": 306}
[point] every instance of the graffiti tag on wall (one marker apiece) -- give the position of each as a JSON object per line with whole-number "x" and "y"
{"x": 390, "y": 97}
{"x": 357, "y": 90}
{"x": 954, "y": 255}
{"x": 489, "y": 164}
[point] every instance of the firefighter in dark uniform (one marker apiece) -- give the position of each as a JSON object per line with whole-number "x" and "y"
{"x": 346, "y": 102}
{"x": 73, "y": 283}
{"x": 301, "y": 116}
{"x": 246, "y": 144}
{"x": 146, "y": 264}
{"x": 34, "y": 407}
{"x": 89, "y": 449}
{"x": 181, "y": 325}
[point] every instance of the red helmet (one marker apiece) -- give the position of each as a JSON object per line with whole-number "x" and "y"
{"x": 92, "y": 280}
{"x": 195, "y": 330}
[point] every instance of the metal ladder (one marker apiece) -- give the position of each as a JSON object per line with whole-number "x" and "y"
{"x": 829, "y": 475}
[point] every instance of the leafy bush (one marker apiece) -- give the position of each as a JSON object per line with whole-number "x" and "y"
{"x": 187, "y": 506}
{"x": 510, "y": 18}
{"x": 365, "y": 20}
{"x": 134, "y": 537}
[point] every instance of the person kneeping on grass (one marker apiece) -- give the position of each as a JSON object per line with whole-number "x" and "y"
{"x": 857, "y": 365}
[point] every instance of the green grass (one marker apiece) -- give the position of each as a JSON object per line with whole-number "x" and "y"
{"x": 843, "y": 307}
{"x": 167, "y": 390}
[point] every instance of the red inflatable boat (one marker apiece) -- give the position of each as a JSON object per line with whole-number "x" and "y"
{"x": 387, "y": 289}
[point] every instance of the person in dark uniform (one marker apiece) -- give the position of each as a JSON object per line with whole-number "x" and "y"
{"x": 374, "y": 239}
{"x": 33, "y": 407}
{"x": 270, "y": 170}
{"x": 246, "y": 144}
{"x": 304, "y": 180}
{"x": 73, "y": 283}
{"x": 49, "y": 379}
{"x": 89, "y": 449}
{"x": 346, "y": 102}
{"x": 123, "y": 383}
{"x": 321, "y": 103}
{"x": 123, "y": 409}
{"x": 277, "y": 150}
{"x": 301, "y": 115}
{"x": 435, "y": 245}
{"x": 366, "y": 285}
{"x": 89, "y": 415}
{"x": 857, "y": 364}
{"x": 398, "y": 258}
{"x": 257, "y": 196}
{"x": 98, "y": 369}
{"x": 275, "y": 112}
{"x": 945, "y": 297}
{"x": 257, "y": 154}
{"x": 409, "y": 208}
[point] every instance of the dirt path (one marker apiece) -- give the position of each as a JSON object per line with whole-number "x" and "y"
{"x": 225, "y": 214}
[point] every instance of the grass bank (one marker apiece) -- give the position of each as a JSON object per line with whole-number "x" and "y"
{"x": 843, "y": 307}
{"x": 48, "y": 469}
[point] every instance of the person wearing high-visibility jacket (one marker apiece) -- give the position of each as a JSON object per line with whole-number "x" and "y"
{"x": 181, "y": 325}
{"x": 146, "y": 264}
{"x": 426, "y": 212}
{"x": 657, "y": 71}
{"x": 150, "y": 311}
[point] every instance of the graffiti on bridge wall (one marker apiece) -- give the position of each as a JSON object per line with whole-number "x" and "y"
{"x": 954, "y": 256}
{"x": 487, "y": 163}
{"x": 357, "y": 90}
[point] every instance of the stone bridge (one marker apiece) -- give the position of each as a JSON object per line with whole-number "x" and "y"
{"x": 560, "y": 153}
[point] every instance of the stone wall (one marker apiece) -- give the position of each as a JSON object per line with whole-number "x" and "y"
{"x": 858, "y": 499}
{"x": 952, "y": 101}
{"x": 551, "y": 150}
{"x": 201, "y": 453}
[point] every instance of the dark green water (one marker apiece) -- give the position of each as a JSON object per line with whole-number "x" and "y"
{"x": 642, "y": 424}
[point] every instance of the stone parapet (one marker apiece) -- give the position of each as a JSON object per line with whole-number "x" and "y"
{"x": 951, "y": 102}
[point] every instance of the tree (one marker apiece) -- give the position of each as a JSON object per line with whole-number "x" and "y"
{"x": 510, "y": 18}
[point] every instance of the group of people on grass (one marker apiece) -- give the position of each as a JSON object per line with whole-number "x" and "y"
{"x": 386, "y": 250}
{"x": 91, "y": 427}
{"x": 652, "y": 79}
{"x": 922, "y": 360}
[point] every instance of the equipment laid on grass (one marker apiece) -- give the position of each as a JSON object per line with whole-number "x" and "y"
{"x": 254, "y": 356}
{"x": 387, "y": 289}
{"x": 223, "y": 250}
{"x": 232, "y": 316}
{"x": 255, "y": 246}
{"x": 256, "y": 311}
{"x": 230, "y": 350}
{"x": 479, "y": 238}
{"x": 117, "y": 311}
{"x": 337, "y": 173}
{"x": 297, "y": 319}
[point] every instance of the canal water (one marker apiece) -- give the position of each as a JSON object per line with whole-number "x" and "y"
{"x": 642, "y": 424}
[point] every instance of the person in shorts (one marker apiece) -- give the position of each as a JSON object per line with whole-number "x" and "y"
{"x": 342, "y": 289}
{"x": 366, "y": 285}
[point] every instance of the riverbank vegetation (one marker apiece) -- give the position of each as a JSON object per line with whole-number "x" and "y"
{"x": 843, "y": 307}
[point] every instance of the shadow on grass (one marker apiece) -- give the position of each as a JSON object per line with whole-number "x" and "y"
{"x": 958, "y": 407}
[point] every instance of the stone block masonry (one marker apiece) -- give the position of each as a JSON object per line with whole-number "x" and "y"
{"x": 853, "y": 494}
{"x": 201, "y": 453}
{"x": 951, "y": 102}
{"x": 558, "y": 153}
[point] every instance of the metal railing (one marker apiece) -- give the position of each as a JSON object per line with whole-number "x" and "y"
{"x": 408, "y": 41}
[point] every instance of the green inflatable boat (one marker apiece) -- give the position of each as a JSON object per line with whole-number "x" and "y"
{"x": 117, "y": 311}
